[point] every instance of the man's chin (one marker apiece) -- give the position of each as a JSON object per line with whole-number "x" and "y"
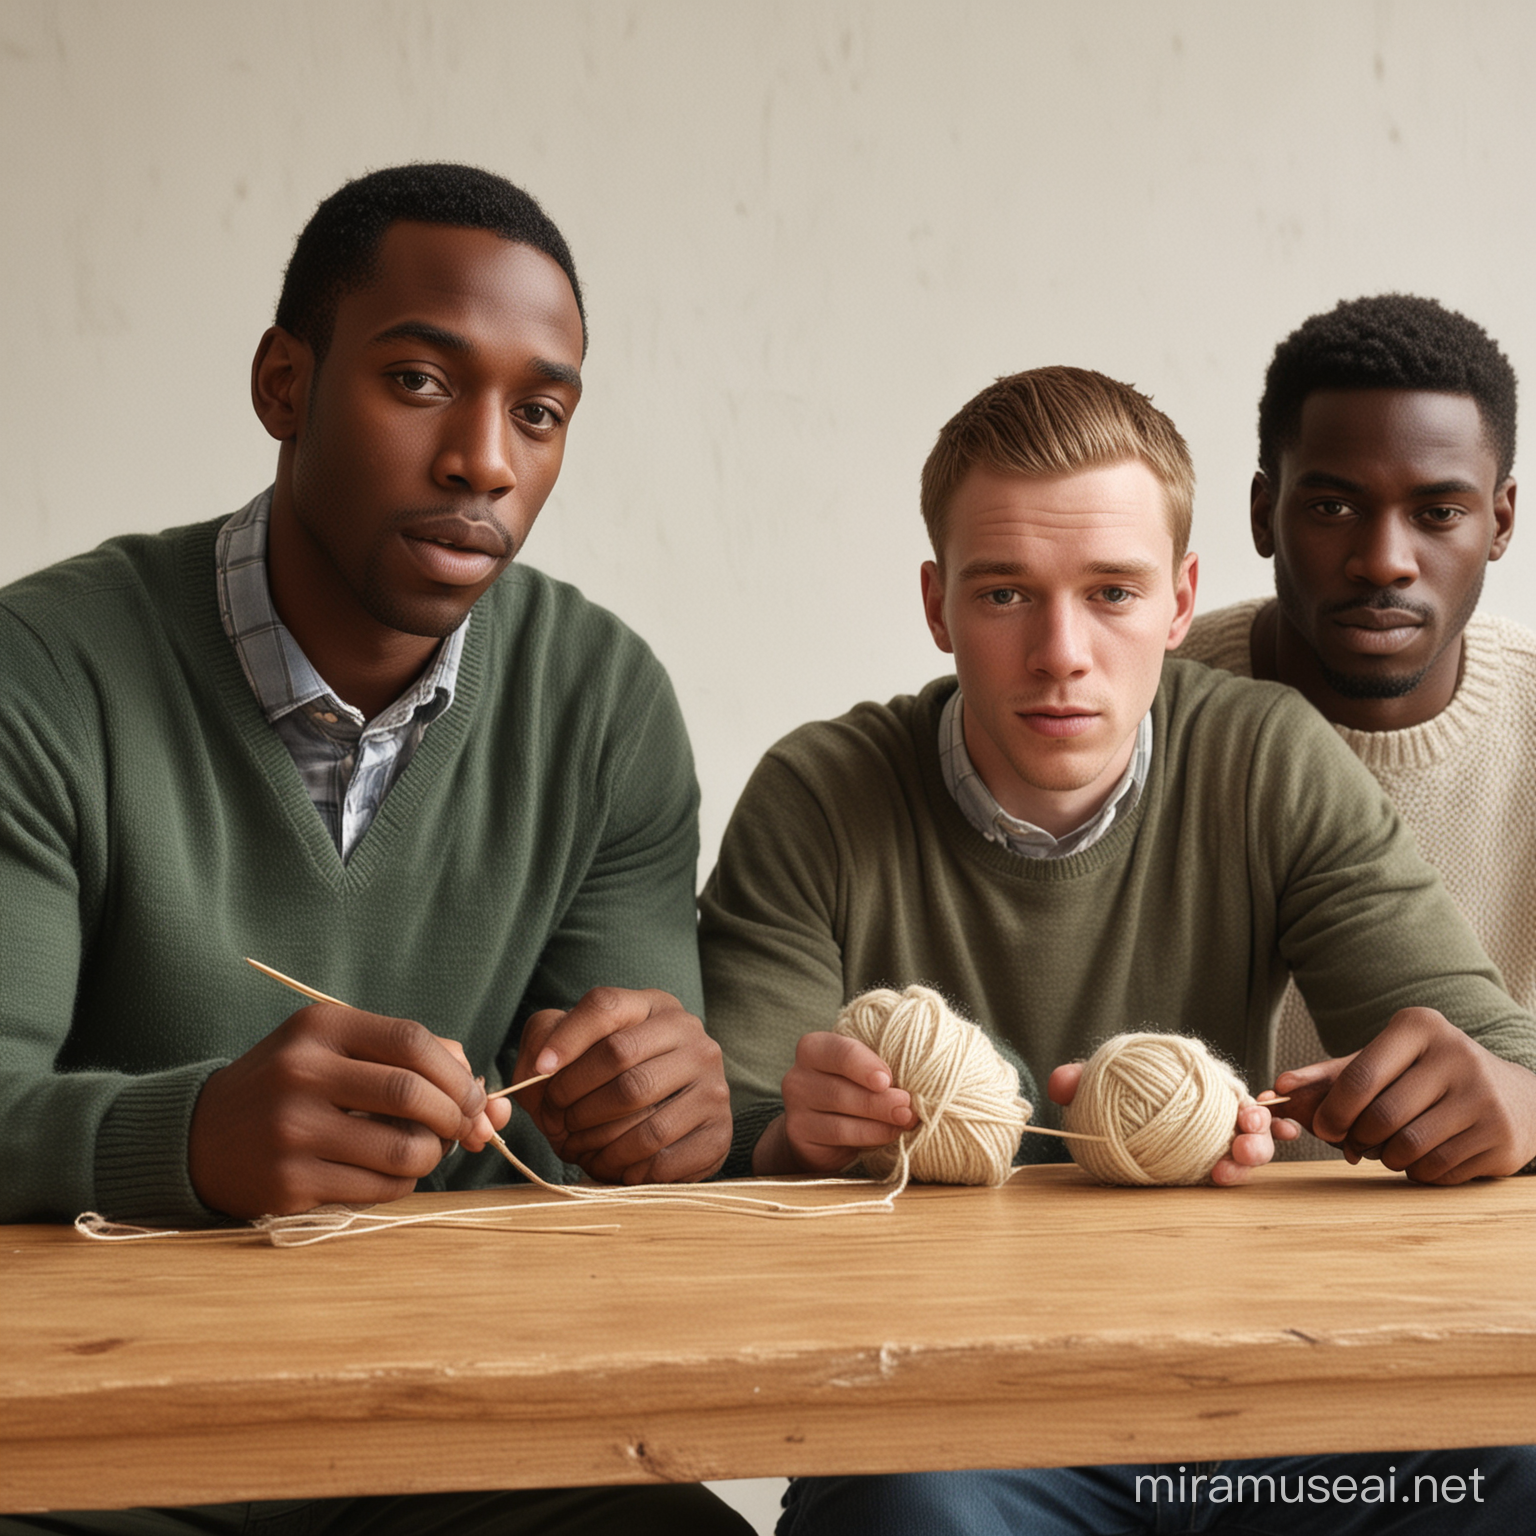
{"x": 431, "y": 618}
{"x": 1372, "y": 685}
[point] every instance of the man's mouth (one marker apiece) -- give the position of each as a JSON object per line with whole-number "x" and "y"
{"x": 1057, "y": 723}
{"x": 456, "y": 551}
{"x": 1370, "y": 631}
{"x": 1379, "y": 618}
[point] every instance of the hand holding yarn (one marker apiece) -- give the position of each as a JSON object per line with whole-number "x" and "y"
{"x": 1168, "y": 1111}
{"x": 839, "y": 1103}
{"x": 965, "y": 1096}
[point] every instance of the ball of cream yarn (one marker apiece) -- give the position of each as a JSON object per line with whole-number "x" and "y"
{"x": 1167, "y": 1107}
{"x": 966, "y": 1097}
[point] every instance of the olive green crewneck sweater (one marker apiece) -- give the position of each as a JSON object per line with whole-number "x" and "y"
{"x": 1259, "y": 845}
{"x": 154, "y": 830}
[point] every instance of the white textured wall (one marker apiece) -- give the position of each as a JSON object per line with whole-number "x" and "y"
{"x": 808, "y": 232}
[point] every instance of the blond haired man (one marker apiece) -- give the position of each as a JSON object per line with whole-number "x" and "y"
{"x": 1071, "y": 836}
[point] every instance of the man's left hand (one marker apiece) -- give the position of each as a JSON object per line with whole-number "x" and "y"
{"x": 638, "y": 1089}
{"x": 1253, "y": 1138}
{"x": 1424, "y": 1098}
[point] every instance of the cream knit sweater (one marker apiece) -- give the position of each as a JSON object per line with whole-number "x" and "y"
{"x": 1465, "y": 782}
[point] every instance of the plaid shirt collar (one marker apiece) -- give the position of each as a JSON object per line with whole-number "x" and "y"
{"x": 981, "y": 809}
{"x": 280, "y": 674}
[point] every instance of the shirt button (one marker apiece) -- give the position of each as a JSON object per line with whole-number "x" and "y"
{"x": 329, "y": 718}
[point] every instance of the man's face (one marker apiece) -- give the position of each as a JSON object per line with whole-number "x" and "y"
{"x": 1058, "y": 599}
{"x": 1384, "y": 516}
{"x": 422, "y": 447}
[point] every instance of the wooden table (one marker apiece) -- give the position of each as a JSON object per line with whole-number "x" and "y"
{"x": 1048, "y": 1322}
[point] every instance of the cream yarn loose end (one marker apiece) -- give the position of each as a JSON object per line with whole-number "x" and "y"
{"x": 1166, "y": 1106}
{"x": 965, "y": 1095}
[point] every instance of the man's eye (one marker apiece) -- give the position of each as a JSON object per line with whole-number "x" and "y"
{"x": 414, "y": 382}
{"x": 1116, "y": 595}
{"x": 1442, "y": 515}
{"x": 539, "y": 415}
{"x": 1002, "y": 597}
{"x": 1332, "y": 508}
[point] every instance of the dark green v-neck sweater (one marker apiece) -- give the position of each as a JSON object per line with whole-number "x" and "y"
{"x": 154, "y": 830}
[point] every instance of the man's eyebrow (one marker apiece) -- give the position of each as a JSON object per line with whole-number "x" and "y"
{"x": 1321, "y": 480}
{"x": 433, "y": 335}
{"x": 452, "y": 341}
{"x": 977, "y": 570}
{"x": 559, "y": 373}
{"x": 981, "y": 570}
{"x": 1131, "y": 567}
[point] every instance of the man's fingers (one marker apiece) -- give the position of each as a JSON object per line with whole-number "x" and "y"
{"x": 398, "y": 1093}
{"x": 842, "y": 1056}
{"x": 602, "y": 1012}
{"x": 1368, "y": 1072}
{"x": 412, "y": 1047}
{"x": 683, "y": 1138}
{"x": 1063, "y": 1084}
{"x": 828, "y": 1094}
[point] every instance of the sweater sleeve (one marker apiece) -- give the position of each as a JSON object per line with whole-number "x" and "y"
{"x": 1364, "y": 923}
{"x": 69, "y": 1140}
{"x": 768, "y": 940}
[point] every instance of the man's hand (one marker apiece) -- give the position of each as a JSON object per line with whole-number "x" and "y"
{"x": 1253, "y": 1140}
{"x": 1424, "y": 1098}
{"x": 838, "y": 1103}
{"x": 638, "y": 1093}
{"x": 334, "y": 1105}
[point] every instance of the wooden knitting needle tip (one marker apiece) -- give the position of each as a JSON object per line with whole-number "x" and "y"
{"x": 298, "y": 986}
{"x": 1045, "y": 1130}
{"x": 527, "y": 1082}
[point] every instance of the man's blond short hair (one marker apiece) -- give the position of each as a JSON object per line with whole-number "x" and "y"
{"x": 1057, "y": 421}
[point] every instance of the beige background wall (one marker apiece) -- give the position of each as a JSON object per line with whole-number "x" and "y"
{"x": 808, "y": 232}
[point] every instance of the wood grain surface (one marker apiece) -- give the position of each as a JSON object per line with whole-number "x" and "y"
{"x": 1049, "y": 1322}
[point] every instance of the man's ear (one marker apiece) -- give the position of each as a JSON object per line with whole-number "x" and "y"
{"x": 1261, "y": 510}
{"x": 1184, "y": 584}
{"x": 933, "y": 605}
{"x": 281, "y": 373}
{"x": 1503, "y": 519}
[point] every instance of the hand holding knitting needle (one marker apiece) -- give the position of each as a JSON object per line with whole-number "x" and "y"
{"x": 628, "y": 1086}
{"x": 335, "y": 1104}
{"x": 1423, "y": 1097}
{"x": 1254, "y": 1135}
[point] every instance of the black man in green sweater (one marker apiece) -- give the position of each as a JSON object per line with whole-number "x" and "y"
{"x": 1075, "y": 836}
{"x": 336, "y": 733}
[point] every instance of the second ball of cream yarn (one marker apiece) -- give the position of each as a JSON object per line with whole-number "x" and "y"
{"x": 1167, "y": 1107}
{"x": 966, "y": 1097}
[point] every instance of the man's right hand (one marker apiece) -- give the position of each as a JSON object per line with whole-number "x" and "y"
{"x": 838, "y": 1103}
{"x": 333, "y": 1105}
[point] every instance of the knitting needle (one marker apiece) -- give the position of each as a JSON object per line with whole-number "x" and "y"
{"x": 1044, "y": 1130}
{"x": 298, "y": 986}
{"x": 325, "y": 997}
{"x": 527, "y": 1082}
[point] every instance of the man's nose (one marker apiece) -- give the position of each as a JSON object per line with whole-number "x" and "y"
{"x": 1383, "y": 554}
{"x": 1058, "y": 643}
{"x": 475, "y": 454}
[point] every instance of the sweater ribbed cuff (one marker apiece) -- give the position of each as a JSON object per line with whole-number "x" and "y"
{"x": 141, "y": 1149}
{"x": 751, "y": 1122}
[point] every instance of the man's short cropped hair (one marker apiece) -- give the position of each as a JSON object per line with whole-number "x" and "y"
{"x": 1049, "y": 422}
{"x": 1391, "y": 341}
{"x": 337, "y": 252}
